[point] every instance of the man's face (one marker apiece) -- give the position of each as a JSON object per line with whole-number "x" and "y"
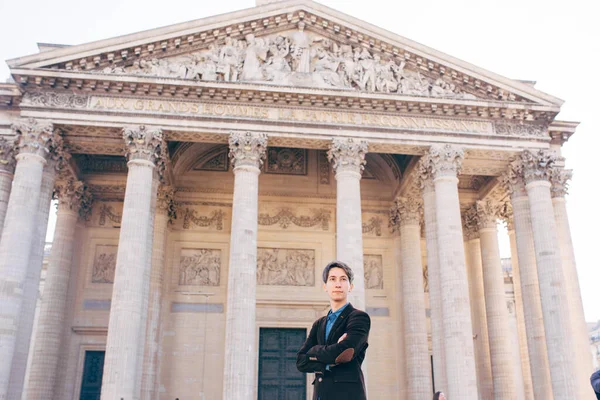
{"x": 442, "y": 396}
{"x": 338, "y": 285}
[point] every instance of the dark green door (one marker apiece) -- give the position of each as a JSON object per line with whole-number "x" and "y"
{"x": 91, "y": 382}
{"x": 278, "y": 378}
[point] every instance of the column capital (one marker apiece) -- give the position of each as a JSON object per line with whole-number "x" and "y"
{"x": 444, "y": 160}
{"x": 348, "y": 154}
{"x": 560, "y": 178}
{"x": 144, "y": 143}
{"x": 165, "y": 203}
{"x": 247, "y": 149}
{"x": 34, "y": 136}
{"x": 405, "y": 211}
{"x": 537, "y": 166}
{"x": 74, "y": 196}
{"x": 470, "y": 223}
{"x": 7, "y": 154}
{"x": 506, "y": 214}
{"x": 513, "y": 180}
{"x": 488, "y": 212}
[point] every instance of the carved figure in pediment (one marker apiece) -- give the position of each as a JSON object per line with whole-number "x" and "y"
{"x": 301, "y": 50}
{"x": 228, "y": 61}
{"x": 326, "y": 67}
{"x": 277, "y": 67}
{"x": 256, "y": 54}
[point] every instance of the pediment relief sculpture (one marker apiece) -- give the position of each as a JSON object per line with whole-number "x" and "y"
{"x": 296, "y": 58}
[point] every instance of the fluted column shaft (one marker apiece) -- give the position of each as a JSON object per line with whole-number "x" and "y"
{"x": 521, "y": 330}
{"x": 503, "y": 373}
{"x": 32, "y": 283}
{"x": 444, "y": 162}
{"x": 247, "y": 151}
{"x": 49, "y": 335}
{"x": 560, "y": 178}
{"x": 150, "y": 378}
{"x": 126, "y": 328}
{"x": 530, "y": 289}
{"x": 478, "y": 315}
{"x": 555, "y": 304}
{"x": 7, "y": 170}
{"x": 18, "y": 236}
{"x": 433, "y": 275}
{"x": 405, "y": 217}
{"x": 348, "y": 157}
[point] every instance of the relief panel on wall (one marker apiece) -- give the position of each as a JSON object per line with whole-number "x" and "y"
{"x": 373, "y": 271}
{"x": 286, "y": 267}
{"x": 283, "y": 160}
{"x": 105, "y": 262}
{"x": 200, "y": 267}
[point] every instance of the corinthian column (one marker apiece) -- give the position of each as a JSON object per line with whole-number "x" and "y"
{"x": 165, "y": 211}
{"x": 444, "y": 163}
{"x": 56, "y": 160}
{"x": 530, "y": 288}
{"x": 7, "y": 170}
{"x": 247, "y": 151}
{"x": 503, "y": 373}
{"x": 560, "y": 178}
{"x": 129, "y": 305}
{"x": 555, "y": 301}
{"x": 478, "y": 312}
{"x": 433, "y": 275}
{"x": 34, "y": 142}
{"x": 73, "y": 201}
{"x": 507, "y": 215}
{"x": 348, "y": 157}
{"x": 405, "y": 217}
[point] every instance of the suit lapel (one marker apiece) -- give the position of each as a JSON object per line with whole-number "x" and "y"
{"x": 321, "y": 331}
{"x": 339, "y": 322}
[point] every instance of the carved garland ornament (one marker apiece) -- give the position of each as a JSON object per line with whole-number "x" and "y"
{"x": 107, "y": 211}
{"x": 214, "y": 219}
{"x": 348, "y": 154}
{"x": 285, "y": 217}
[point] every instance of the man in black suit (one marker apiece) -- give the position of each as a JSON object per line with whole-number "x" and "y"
{"x": 337, "y": 343}
{"x": 595, "y": 381}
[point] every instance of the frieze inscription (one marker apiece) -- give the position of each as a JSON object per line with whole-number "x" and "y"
{"x": 286, "y": 267}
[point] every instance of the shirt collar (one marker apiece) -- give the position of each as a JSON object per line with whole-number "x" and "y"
{"x": 338, "y": 312}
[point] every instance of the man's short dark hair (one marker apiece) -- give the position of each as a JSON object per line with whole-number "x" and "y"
{"x": 338, "y": 264}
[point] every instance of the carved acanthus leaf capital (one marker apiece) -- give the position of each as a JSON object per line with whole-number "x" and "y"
{"x": 506, "y": 215}
{"x": 165, "y": 202}
{"x": 348, "y": 154}
{"x": 560, "y": 178}
{"x": 444, "y": 160}
{"x": 405, "y": 211}
{"x": 247, "y": 149}
{"x": 513, "y": 179}
{"x": 537, "y": 166}
{"x": 144, "y": 143}
{"x": 470, "y": 222}
{"x": 73, "y": 195}
{"x": 488, "y": 213}
{"x": 7, "y": 154}
{"x": 34, "y": 136}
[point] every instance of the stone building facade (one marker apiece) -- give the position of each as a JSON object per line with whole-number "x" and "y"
{"x": 205, "y": 173}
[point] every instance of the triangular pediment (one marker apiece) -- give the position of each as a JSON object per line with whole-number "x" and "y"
{"x": 295, "y": 43}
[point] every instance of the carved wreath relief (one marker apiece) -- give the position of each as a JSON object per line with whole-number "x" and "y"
{"x": 373, "y": 271}
{"x": 105, "y": 262}
{"x": 296, "y": 58}
{"x": 200, "y": 267}
{"x": 283, "y": 160}
{"x": 287, "y": 267}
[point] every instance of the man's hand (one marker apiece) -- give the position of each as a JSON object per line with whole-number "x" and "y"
{"x": 342, "y": 337}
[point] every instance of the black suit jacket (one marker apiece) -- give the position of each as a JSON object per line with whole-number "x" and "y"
{"x": 595, "y": 381}
{"x": 344, "y": 380}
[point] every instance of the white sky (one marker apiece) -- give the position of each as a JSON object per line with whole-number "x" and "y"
{"x": 554, "y": 42}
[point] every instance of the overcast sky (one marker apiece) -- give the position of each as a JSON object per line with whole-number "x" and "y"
{"x": 556, "y": 43}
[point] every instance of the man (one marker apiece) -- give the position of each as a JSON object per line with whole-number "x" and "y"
{"x": 595, "y": 381}
{"x": 337, "y": 343}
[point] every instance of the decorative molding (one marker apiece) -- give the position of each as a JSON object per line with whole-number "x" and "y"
{"x": 521, "y": 129}
{"x": 200, "y": 267}
{"x": 214, "y": 219}
{"x": 105, "y": 263}
{"x": 55, "y": 100}
{"x": 373, "y": 226}
{"x": 107, "y": 212}
{"x": 101, "y": 164}
{"x": 247, "y": 149}
{"x": 373, "y": 266}
{"x": 285, "y": 267}
{"x": 286, "y": 217}
{"x": 284, "y": 160}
